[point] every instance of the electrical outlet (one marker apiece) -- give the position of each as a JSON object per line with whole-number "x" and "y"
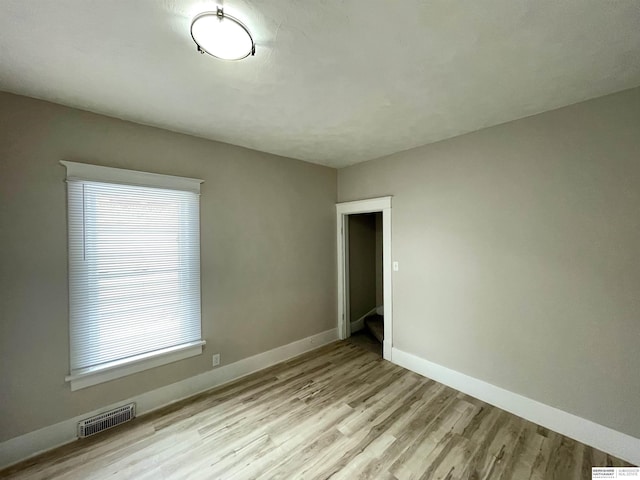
{"x": 216, "y": 359}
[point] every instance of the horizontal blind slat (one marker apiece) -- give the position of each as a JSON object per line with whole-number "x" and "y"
{"x": 134, "y": 264}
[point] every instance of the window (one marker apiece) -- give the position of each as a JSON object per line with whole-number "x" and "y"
{"x": 134, "y": 271}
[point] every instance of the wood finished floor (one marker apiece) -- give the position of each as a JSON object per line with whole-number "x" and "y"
{"x": 365, "y": 339}
{"x": 340, "y": 412}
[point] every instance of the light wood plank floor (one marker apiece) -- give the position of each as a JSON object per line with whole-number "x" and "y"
{"x": 340, "y": 412}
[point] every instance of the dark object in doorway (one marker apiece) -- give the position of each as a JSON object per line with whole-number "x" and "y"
{"x": 375, "y": 324}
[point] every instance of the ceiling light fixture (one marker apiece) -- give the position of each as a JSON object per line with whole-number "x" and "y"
{"x": 222, "y": 36}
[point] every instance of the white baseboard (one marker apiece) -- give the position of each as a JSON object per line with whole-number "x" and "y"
{"x": 359, "y": 323}
{"x": 598, "y": 436}
{"x": 38, "y": 441}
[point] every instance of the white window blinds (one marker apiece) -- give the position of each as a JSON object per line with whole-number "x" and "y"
{"x": 134, "y": 268}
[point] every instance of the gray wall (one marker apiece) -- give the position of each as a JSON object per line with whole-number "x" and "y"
{"x": 519, "y": 255}
{"x": 379, "y": 258}
{"x": 268, "y": 252}
{"x": 362, "y": 264}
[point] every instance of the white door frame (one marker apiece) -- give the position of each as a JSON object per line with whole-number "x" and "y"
{"x": 372, "y": 205}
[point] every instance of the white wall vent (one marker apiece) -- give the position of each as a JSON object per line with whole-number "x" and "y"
{"x": 106, "y": 420}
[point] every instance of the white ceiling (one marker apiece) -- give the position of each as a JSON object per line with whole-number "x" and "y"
{"x": 333, "y": 82}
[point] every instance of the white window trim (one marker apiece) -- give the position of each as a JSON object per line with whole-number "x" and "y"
{"x": 96, "y": 173}
{"x": 92, "y": 376}
{"x": 121, "y": 368}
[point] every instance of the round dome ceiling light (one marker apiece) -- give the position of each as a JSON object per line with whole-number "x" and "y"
{"x": 222, "y": 36}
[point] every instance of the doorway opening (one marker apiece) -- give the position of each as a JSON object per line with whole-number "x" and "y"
{"x": 364, "y": 273}
{"x": 364, "y": 280}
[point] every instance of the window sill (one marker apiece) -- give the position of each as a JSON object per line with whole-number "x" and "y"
{"x": 94, "y": 375}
